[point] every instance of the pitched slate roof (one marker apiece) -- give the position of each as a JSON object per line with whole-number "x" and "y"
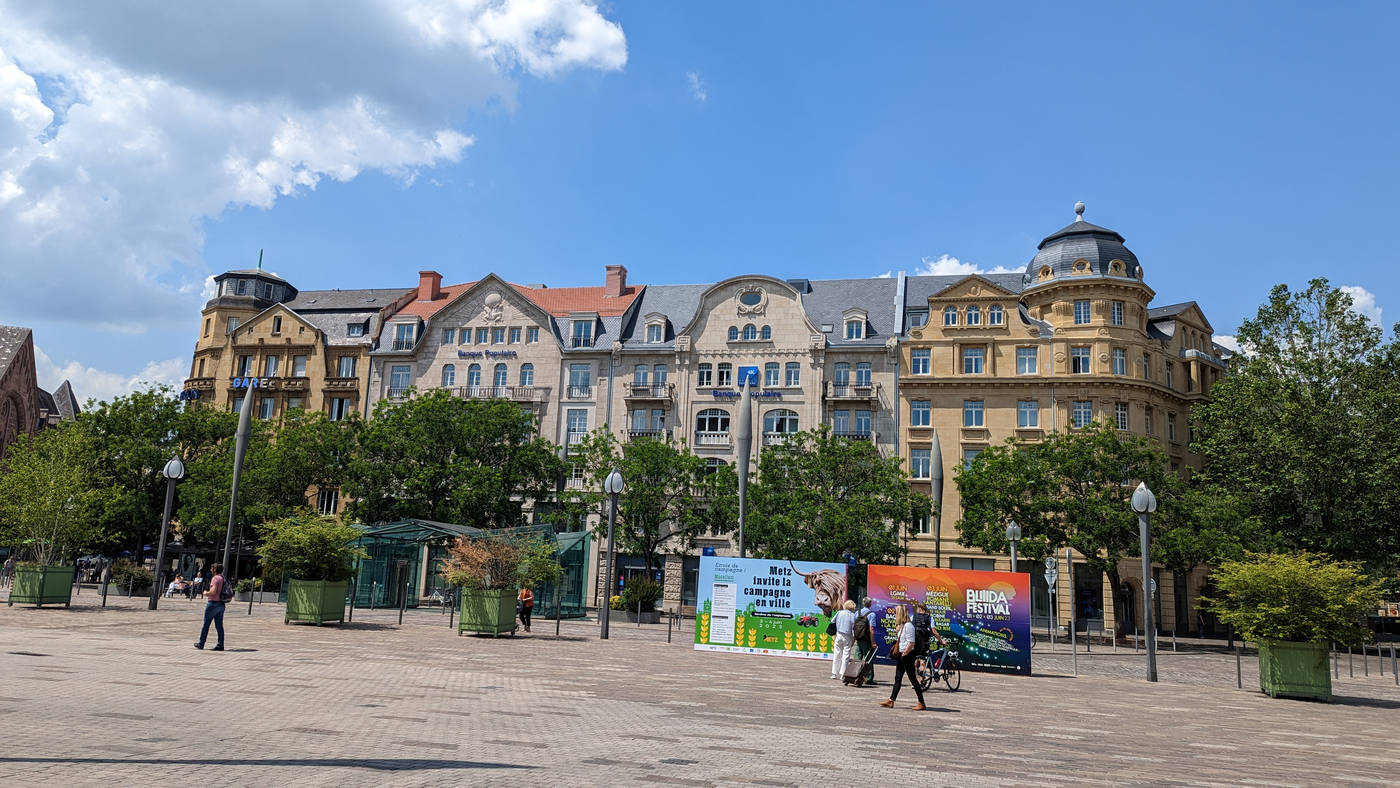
{"x": 829, "y": 298}
{"x": 1170, "y": 310}
{"x": 360, "y": 300}
{"x": 918, "y": 289}
{"x": 12, "y": 338}
{"x": 677, "y": 302}
{"x": 66, "y": 401}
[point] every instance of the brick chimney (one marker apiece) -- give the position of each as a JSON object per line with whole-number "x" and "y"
{"x": 616, "y": 281}
{"x": 429, "y": 285}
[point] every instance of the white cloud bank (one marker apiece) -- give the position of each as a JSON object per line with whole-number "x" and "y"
{"x": 92, "y": 383}
{"x": 123, "y": 127}
{"x": 1363, "y": 302}
{"x": 947, "y": 265}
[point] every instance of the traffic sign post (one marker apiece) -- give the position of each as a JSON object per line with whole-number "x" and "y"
{"x": 1052, "y": 576}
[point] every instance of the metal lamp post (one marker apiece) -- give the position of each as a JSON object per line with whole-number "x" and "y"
{"x": 613, "y": 486}
{"x": 744, "y": 444}
{"x": 1145, "y": 503}
{"x": 1013, "y": 535}
{"x": 173, "y": 472}
{"x": 240, "y": 448}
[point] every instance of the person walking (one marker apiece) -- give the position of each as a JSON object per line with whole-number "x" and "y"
{"x": 865, "y": 648}
{"x": 527, "y": 606}
{"x": 903, "y": 651}
{"x": 7, "y": 575}
{"x": 844, "y": 620}
{"x": 214, "y": 609}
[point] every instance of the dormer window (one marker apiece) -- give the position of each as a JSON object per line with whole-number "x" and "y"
{"x": 994, "y": 315}
{"x": 354, "y": 329}
{"x": 655, "y": 332}
{"x": 750, "y": 332}
{"x": 950, "y": 316}
{"x": 917, "y": 319}
{"x": 583, "y": 333}
{"x": 974, "y": 316}
{"x": 403, "y": 336}
{"x": 242, "y": 287}
{"x": 855, "y": 329}
{"x": 1045, "y": 273}
{"x": 1116, "y": 267}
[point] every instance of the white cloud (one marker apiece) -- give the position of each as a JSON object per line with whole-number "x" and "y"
{"x": 89, "y": 382}
{"x": 1227, "y": 341}
{"x": 124, "y": 128}
{"x": 697, "y": 86}
{"x": 947, "y": 265}
{"x": 1363, "y": 302}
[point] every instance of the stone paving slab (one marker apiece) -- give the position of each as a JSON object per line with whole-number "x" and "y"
{"x": 117, "y": 696}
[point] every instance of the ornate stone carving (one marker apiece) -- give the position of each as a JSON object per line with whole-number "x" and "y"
{"x": 1103, "y": 357}
{"x": 751, "y": 300}
{"x": 1060, "y": 358}
{"x": 493, "y": 308}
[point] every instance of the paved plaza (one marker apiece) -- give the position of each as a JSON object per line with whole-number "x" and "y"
{"x": 119, "y": 697}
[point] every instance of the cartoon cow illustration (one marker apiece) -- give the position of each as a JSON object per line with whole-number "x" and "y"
{"x": 828, "y": 587}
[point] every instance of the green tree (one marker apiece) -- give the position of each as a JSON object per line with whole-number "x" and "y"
{"x": 1072, "y": 489}
{"x": 1305, "y": 431}
{"x": 439, "y": 457}
{"x": 50, "y": 501}
{"x": 307, "y": 547}
{"x": 817, "y": 496}
{"x": 670, "y": 498}
{"x": 1298, "y": 597}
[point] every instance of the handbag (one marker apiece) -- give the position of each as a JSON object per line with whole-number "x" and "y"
{"x": 831, "y": 628}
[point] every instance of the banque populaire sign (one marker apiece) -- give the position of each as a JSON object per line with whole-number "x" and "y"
{"x": 986, "y": 616}
{"x": 758, "y": 606}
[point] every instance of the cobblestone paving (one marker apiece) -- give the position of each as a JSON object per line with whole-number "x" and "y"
{"x": 119, "y": 697}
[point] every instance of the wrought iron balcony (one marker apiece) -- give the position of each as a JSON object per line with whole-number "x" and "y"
{"x": 846, "y": 391}
{"x": 403, "y": 344}
{"x": 854, "y": 435}
{"x": 636, "y": 435}
{"x": 640, "y": 391}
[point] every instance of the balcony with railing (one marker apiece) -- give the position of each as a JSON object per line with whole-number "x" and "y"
{"x": 852, "y": 391}
{"x": 775, "y": 438}
{"x": 403, "y": 344}
{"x": 582, "y": 342}
{"x": 636, "y": 435}
{"x": 572, "y": 439}
{"x": 339, "y": 383}
{"x": 513, "y": 393}
{"x": 712, "y": 439}
{"x": 396, "y": 393}
{"x": 650, "y": 391}
{"x": 853, "y": 435}
{"x": 579, "y": 392}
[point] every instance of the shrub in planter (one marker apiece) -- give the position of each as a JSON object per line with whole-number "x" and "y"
{"x": 490, "y": 572}
{"x": 641, "y": 593}
{"x": 1293, "y": 607}
{"x": 126, "y": 574}
{"x": 318, "y": 554}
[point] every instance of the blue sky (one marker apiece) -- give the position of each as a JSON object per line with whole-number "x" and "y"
{"x": 1234, "y": 145}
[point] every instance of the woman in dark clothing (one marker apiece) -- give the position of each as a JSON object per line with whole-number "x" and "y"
{"x": 903, "y": 651}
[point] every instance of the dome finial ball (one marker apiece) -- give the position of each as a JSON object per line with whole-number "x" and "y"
{"x": 1079, "y": 211}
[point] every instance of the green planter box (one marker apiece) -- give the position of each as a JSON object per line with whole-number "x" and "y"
{"x": 317, "y": 601}
{"x": 491, "y": 611}
{"x": 1294, "y": 670}
{"x": 43, "y": 585}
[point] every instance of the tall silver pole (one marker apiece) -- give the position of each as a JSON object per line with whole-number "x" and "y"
{"x": 936, "y": 492}
{"x": 1073, "y": 637}
{"x": 607, "y": 582}
{"x": 745, "y": 444}
{"x": 1013, "y": 555}
{"x": 1148, "y": 627}
{"x": 160, "y": 548}
{"x": 240, "y": 447}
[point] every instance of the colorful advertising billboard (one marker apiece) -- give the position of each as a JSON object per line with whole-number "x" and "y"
{"x": 757, "y": 606}
{"x": 986, "y": 616}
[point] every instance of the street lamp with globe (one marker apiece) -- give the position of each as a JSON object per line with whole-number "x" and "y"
{"x": 1013, "y": 535}
{"x": 173, "y": 472}
{"x": 1145, "y": 503}
{"x": 613, "y": 486}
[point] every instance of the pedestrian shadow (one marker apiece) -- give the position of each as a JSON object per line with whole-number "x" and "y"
{"x": 362, "y": 626}
{"x": 378, "y": 764}
{"x": 239, "y": 650}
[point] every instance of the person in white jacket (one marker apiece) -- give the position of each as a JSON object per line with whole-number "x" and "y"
{"x": 845, "y": 620}
{"x": 903, "y": 651}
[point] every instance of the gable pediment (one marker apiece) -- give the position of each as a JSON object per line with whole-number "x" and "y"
{"x": 972, "y": 286}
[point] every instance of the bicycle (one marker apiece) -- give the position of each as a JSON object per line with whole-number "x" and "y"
{"x": 946, "y": 670}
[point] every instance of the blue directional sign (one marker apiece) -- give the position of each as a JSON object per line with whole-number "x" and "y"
{"x": 748, "y": 376}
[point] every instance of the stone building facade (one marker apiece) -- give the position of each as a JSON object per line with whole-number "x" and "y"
{"x": 24, "y": 407}
{"x": 1071, "y": 340}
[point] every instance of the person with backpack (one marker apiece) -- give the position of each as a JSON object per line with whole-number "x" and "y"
{"x": 220, "y": 593}
{"x": 902, "y": 651}
{"x": 923, "y": 633}
{"x": 863, "y": 637}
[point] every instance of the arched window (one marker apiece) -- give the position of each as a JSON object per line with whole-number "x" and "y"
{"x": 843, "y": 373}
{"x": 950, "y": 316}
{"x": 750, "y": 332}
{"x": 712, "y": 420}
{"x": 474, "y": 375}
{"x": 449, "y": 375}
{"x": 994, "y": 315}
{"x": 733, "y": 333}
{"x": 974, "y": 316}
{"x": 499, "y": 379}
{"x": 527, "y": 374}
{"x": 766, "y": 333}
{"x": 780, "y": 422}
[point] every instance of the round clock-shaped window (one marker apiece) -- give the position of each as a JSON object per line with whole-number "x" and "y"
{"x": 751, "y": 298}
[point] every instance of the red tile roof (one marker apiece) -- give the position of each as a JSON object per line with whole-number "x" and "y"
{"x": 557, "y": 301}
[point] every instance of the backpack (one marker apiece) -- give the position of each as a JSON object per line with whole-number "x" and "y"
{"x": 861, "y": 629}
{"x": 226, "y": 591}
{"x": 923, "y": 632}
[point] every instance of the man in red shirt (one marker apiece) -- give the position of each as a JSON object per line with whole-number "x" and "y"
{"x": 214, "y": 609}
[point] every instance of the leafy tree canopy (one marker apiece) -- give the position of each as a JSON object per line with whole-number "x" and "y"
{"x": 818, "y": 496}
{"x": 1305, "y": 431}
{"x": 307, "y": 547}
{"x": 670, "y": 496}
{"x": 438, "y": 457}
{"x": 1299, "y": 597}
{"x": 51, "y": 501}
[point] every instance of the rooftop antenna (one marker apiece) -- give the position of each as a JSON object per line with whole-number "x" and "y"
{"x": 260, "y": 259}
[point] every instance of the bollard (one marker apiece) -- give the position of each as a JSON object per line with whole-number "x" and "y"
{"x": 403, "y": 602}
{"x": 374, "y": 584}
{"x": 354, "y": 592}
{"x": 639, "y": 614}
{"x": 1335, "y": 666}
{"x": 1365, "y": 660}
{"x": 1351, "y": 666}
{"x": 451, "y": 608}
{"x": 1239, "y": 675}
{"x": 251, "y": 592}
{"x": 104, "y": 593}
{"x": 1395, "y": 674}
{"x": 670, "y": 621}
{"x": 1135, "y": 640}
{"x": 1173, "y": 639}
